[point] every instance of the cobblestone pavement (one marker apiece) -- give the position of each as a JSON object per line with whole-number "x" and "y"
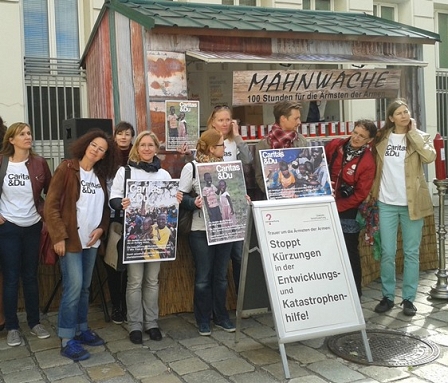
{"x": 184, "y": 356}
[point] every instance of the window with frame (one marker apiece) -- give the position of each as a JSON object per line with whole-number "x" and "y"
{"x": 385, "y": 11}
{"x": 442, "y": 20}
{"x": 317, "y": 5}
{"x": 51, "y": 28}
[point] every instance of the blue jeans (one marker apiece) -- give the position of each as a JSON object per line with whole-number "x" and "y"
{"x": 210, "y": 285}
{"x": 76, "y": 270}
{"x": 19, "y": 256}
{"x": 411, "y": 231}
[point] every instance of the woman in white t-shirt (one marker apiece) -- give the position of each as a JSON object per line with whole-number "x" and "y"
{"x": 403, "y": 197}
{"x": 75, "y": 227}
{"x": 26, "y": 176}
{"x": 142, "y": 291}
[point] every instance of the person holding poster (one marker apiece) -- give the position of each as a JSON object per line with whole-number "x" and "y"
{"x": 142, "y": 291}
{"x": 403, "y": 198}
{"x": 282, "y": 135}
{"x": 75, "y": 228}
{"x": 211, "y": 262}
{"x": 235, "y": 149}
{"x": 352, "y": 171}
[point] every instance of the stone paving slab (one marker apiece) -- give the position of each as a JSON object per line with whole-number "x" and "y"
{"x": 183, "y": 356}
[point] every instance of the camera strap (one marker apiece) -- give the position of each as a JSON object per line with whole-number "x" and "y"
{"x": 344, "y": 158}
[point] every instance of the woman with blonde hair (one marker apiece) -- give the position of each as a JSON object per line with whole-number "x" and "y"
{"x": 211, "y": 262}
{"x": 236, "y": 149}
{"x": 26, "y": 176}
{"x": 142, "y": 291}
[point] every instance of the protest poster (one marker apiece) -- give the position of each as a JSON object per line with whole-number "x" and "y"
{"x": 295, "y": 172}
{"x": 223, "y": 190}
{"x": 182, "y": 123}
{"x": 150, "y": 221}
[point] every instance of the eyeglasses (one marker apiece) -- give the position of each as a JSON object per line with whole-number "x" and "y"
{"x": 360, "y": 136}
{"x": 99, "y": 148}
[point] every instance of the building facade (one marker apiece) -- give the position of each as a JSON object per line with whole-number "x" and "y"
{"x": 43, "y": 40}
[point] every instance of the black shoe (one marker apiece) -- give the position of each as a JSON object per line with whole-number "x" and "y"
{"x": 136, "y": 337}
{"x": 154, "y": 334}
{"x": 408, "y": 308}
{"x": 117, "y": 315}
{"x": 2, "y": 326}
{"x": 385, "y": 305}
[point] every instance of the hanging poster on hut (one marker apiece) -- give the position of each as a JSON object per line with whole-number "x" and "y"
{"x": 182, "y": 124}
{"x": 166, "y": 74}
{"x": 150, "y": 221}
{"x": 295, "y": 172}
{"x": 222, "y": 188}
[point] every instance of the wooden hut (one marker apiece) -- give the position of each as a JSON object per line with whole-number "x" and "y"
{"x": 144, "y": 52}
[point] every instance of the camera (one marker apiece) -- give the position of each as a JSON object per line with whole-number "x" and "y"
{"x": 346, "y": 190}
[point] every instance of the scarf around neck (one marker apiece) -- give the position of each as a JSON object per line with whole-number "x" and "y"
{"x": 351, "y": 153}
{"x": 279, "y": 139}
{"x": 149, "y": 167}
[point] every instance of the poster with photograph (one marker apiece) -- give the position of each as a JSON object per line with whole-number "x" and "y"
{"x": 223, "y": 190}
{"x": 181, "y": 123}
{"x": 151, "y": 221}
{"x": 295, "y": 172}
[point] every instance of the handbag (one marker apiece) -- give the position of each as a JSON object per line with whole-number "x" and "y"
{"x": 114, "y": 248}
{"x": 47, "y": 255}
{"x": 186, "y": 215}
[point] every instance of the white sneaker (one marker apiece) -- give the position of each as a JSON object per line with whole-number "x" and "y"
{"x": 40, "y": 332}
{"x": 14, "y": 338}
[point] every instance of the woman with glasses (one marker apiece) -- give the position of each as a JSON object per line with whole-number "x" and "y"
{"x": 211, "y": 262}
{"x": 352, "y": 170}
{"x": 76, "y": 227}
{"x": 236, "y": 149}
{"x": 26, "y": 176}
{"x": 403, "y": 197}
{"x": 142, "y": 291}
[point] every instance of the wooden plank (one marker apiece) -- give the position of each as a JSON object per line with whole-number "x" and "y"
{"x": 138, "y": 68}
{"x": 268, "y": 87}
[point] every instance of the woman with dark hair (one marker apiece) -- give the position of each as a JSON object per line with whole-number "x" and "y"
{"x": 403, "y": 197}
{"x": 75, "y": 228}
{"x": 142, "y": 291}
{"x": 27, "y": 175}
{"x": 352, "y": 170}
{"x": 117, "y": 279}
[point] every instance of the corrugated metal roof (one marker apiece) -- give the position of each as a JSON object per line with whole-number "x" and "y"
{"x": 154, "y": 13}
{"x": 281, "y": 58}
